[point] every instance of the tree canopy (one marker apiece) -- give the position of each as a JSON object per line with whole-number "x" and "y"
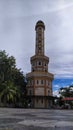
{"x": 66, "y": 92}
{"x": 12, "y": 80}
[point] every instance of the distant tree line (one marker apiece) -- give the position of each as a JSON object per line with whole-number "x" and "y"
{"x": 12, "y": 82}
{"x": 65, "y": 93}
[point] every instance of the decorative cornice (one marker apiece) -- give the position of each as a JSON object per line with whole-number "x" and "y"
{"x": 42, "y": 74}
{"x": 41, "y": 57}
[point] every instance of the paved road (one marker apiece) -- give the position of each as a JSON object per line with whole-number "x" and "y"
{"x": 35, "y": 119}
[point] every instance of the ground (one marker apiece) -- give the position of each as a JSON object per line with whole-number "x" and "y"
{"x": 35, "y": 119}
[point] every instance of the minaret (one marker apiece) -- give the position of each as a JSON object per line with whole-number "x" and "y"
{"x": 39, "y": 62}
{"x": 40, "y": 27}
{"x": 39, "y": 84}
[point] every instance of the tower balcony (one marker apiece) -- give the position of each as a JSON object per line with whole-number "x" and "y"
{"x": 39, "y": 57}
{"x": 42, "y": 74}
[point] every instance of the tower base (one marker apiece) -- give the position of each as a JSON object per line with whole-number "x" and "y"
{"x": 40, "y": 102}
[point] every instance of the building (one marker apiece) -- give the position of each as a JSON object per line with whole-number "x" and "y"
{"x": 39, "y": 80}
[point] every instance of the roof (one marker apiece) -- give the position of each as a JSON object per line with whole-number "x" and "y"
{"x": 67, "y": 99}
{"x": 40, "y": 23}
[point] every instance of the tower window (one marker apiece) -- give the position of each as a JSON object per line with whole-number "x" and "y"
{"x": 39, "y": 41}
{"x": 39, "y": 63}
{"x": 37, "y": 81}
{"x": 45, "y": 70}
{"x": 45, "y": 64}
{"x": 39, "y": 48}
{"x": 42, "y": 101}
{"x": 48, "y": 83}
{"x": 30, "y": 92}
{"x": 48, "y": 92}
{"x": 32, "y": 69}
{"x": 37, "y": 100}
{"x": 39, "y": 28}
{"x": 41, "y": 81}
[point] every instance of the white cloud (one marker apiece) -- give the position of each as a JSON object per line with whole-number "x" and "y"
{"x": 17, "y": 32}
{"x": 56, "y": 93}
{"x": 56, "y": 86}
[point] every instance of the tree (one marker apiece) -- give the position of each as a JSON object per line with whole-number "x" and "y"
{"x": 12, "y": 80}
{"x": 66, "y": 92}
{"x": 6, "y": 65}
{"x": 10, "y": 94}
{"x": 19, "y": 80}
{"x": 65, "y": 96}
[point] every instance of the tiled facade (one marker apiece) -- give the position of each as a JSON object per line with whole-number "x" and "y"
{"x": 39, "y": 80}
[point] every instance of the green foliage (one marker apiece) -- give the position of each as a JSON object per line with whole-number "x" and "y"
{"x": 6, "y": 65}
{"x": 9, "y": 94}
{"x": 12, "y": 81}
{"x": 66, "y": 92}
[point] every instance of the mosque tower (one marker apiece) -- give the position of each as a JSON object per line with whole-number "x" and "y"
{"x": 39, "y": 80}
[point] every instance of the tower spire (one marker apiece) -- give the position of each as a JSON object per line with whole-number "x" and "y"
{"x": 40, "y": 27}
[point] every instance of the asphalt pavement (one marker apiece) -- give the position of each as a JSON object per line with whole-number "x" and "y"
{"x": 35, "y": 119}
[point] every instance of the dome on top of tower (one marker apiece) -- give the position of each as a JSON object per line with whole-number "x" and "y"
{"x": 40, "y": 23}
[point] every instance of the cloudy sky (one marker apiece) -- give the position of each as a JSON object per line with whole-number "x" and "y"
{"x": 17, "y": 32}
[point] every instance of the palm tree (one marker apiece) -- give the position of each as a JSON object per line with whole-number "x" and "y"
{"x": 10, "y": 94}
